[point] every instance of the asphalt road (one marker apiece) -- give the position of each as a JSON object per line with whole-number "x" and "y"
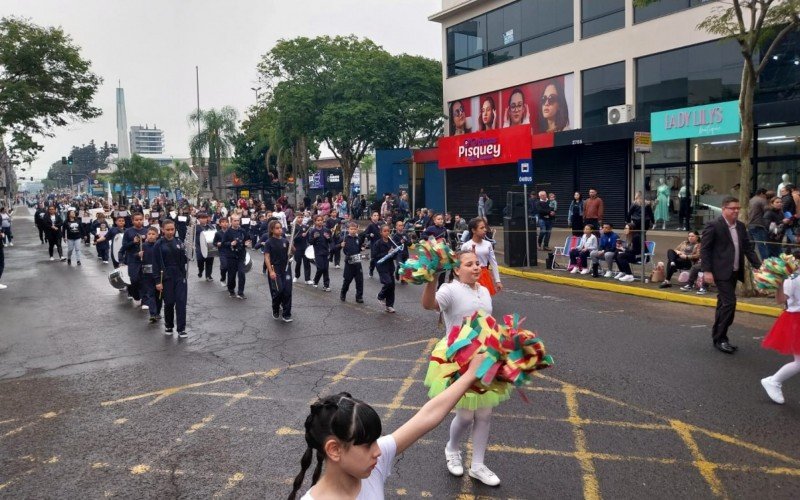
{"x": 94, "y": 402}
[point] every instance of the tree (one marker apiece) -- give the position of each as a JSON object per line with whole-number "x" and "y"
{"x": 44, "y": 83}
{"x": 183, "y": 180}
{"x": 137, "y": 172}
{"x": 218, "y": 127}
{"x": 417, "y": 100}
{"x": 758, "y": 26}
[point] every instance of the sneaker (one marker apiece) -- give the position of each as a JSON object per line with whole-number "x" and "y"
{"x": 209, "y": 279}
{"x": 145, "y": 308}
{"x": 167, "y": 331}
{"x": 294, "y": 280}
{"x": 3, "y": 287}
{"x": 628, "y": 278}
{"x": 574, "y": 270}
{"x": 182, "y": 335}
{"x": 79, "y": 263}
{"x": 586, "y": 270}
{"x": 390, "y": 309}
{"x": 276, "y": 315}
{"x": 342, "y": 297}
{"x": 484, "y": 475}
{"x": 309, "y": 282}
{"x": 287, "y": 319}
{"x": 152, "y": 319}
{"x": 241, "y": 296}
{"x": 773, "y": 390}
{"x": 62, "y": 259}
{"x": 702, "y": 290}
{"x": 105, "y": 262}
{"x": 382, "y": 301}
{"x": 665, "y": 284}
{"x": 619, "y": 275}
{"x": 52, "y": 259}
{"x": 314, "y": 285}
{"x": 199, "y": 275}
{"x": 337, "y": 266}
{"x": 11, "y": 244}
{"x": 231, "y": 295}
{"x": 326, "y": 288}
{"x": 608, "y": 274}
{"x": 687, "y": 288}
{"x": 454, "y": 464}
{"x": 360, "y": 301}
{"x": 69, "y": 262}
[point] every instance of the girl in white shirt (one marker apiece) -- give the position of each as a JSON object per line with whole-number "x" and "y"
{"x": 456, "y": 301}
{"x": 346, "y": 433}
{"x": 490, "y": 274}
{"x": 579, "y": 256}
{"x": 784, "y": 336}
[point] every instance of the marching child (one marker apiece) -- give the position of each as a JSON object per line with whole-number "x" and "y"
{"x": 401, "y": 237}
{"x": 380, "y": 249}
{"x": 150, "y": 297}
{"x": 223, "y": 262}
{"x": 276, "y": 258}
{"x": 351, "y": 244}
{"x": 784, "y": 336}
{"x": 100, "y": 230}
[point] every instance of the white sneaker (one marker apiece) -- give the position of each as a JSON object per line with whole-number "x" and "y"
{"x": 618, "y": 276}
{"x": 575, "y": 270}
{"x": 309, "y": 282}
{"x": 145, "y": 308}
{"x": 454, "y": 464}
{"x": 628, "y": 278}
{"x": 484, "y": 475}
{"x": 586, "y": 270}
{"x": 608, "y": 274}
{"x": 773, "y": 390}
{"x": 52, "y": 259}
{"x": 3, "y": 287}
{"x": 294, "y": 280}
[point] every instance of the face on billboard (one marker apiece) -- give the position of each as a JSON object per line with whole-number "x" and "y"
{"x": 488, "y": 111}
{"x": 459, "y": 118}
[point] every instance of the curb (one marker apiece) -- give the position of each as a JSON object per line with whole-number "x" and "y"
{"x": 639, "y": 292}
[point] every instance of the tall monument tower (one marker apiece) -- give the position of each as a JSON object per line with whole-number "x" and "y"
{"x": 123, "y": 145}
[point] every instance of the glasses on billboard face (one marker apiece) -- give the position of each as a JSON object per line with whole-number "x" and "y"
{"x": 458, "y": 111}
{"x": 549, "y": 100}
{"x": 517, "y": 106}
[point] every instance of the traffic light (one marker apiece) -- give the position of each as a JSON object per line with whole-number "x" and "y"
{"x": 69, "y": 160}
{"x": 63, "y": 160}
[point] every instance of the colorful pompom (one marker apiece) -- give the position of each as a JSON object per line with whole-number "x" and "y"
{"x": 427, "y": 259}
{"x": 774, "y": 270}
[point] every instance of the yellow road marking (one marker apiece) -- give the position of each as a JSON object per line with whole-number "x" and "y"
{"x": 397, "y": 401}
{"x": 120, "y": 421}
{"x": 232, "y": 482}
{"x": 140, "y": 469}
{"x": 287, "y": 431}
{"x": 10, "y": 420}
{"x": 705, "y": 467}
{"x": 591, "y": 488}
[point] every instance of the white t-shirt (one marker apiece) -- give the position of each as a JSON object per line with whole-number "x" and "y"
{"x": 372, "y": 487}
{"x": 457, "y": 301}
{"x": 486, "y": 257}
{"x": 791, "y": 287}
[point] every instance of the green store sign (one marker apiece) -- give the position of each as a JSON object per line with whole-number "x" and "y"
{"x": 699, "y": 121}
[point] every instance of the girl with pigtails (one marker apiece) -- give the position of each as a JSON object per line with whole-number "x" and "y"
{"x": 346, "y": 435}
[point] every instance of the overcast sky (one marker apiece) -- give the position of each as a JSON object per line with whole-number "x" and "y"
{"x": 153, "y": 46}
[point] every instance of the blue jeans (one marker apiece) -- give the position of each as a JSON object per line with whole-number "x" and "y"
{"x": 759, "y": 236}
{"x": 545, "y": 225}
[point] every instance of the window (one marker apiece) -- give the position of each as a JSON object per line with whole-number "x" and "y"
{"x": 601, "y": 16}
{"x": 503, "y": 26}
{"x": 691, "y": 76}
{"x": 548, "y": 23}
{"x": 663, "y": 8}
{"x": 780, "y": 80}
{"x": 464, "y": 41}
{"x": 602, "y": 87}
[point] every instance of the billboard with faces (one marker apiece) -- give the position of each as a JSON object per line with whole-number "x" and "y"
{"x": 546, "y": 105}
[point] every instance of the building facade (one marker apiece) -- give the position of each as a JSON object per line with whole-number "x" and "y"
{"x": 146, "y": 140}
{"x": 568, "y": 82}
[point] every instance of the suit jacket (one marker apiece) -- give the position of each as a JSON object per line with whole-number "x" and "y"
{"x": 717, "y": 251}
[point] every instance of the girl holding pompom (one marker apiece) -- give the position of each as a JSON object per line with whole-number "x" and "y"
{"x": 457, "y": 300}
{"x": 784, "y": 337}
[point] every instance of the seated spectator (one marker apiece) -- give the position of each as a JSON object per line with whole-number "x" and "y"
{"x": 606, "y": 250}
{"x": 694, "y": 272}
{"x": 683, "y": 257}
{"x": 629, "y": 249}
{"x": 579, "y": 256}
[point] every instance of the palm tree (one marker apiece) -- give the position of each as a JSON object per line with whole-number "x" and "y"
{"x": 137, "y": 172}
{"x": 217, "y": 129}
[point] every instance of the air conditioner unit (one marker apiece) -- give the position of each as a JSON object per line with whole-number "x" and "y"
{"x": 620, "y": 114}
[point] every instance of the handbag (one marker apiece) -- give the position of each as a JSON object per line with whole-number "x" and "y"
{"x": 683, "y": 277}
{"x": 658, "y": 273}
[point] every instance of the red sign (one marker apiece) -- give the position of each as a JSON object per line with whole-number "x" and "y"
{"x": 490, "y": 147}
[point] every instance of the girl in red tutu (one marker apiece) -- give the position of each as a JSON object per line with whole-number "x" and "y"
{"x": 784, "y": 336}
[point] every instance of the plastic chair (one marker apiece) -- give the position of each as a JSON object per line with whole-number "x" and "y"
{"x": 563, "y": 251}
{"x": 649, "y": 252}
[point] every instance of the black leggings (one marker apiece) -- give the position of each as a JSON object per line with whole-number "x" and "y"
{"x": 54, "y": 242}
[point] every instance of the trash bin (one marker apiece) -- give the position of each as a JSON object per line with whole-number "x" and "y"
{"x": 514, "y": 242}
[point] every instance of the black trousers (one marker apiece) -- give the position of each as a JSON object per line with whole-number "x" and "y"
{"x": 41, "y": 233}
{"x": 353, "y": 272}
{"x": 301, "y": 260}
{"x": 672, "y": 257}
{"x": 372, "y": 266}
{"x": 151, "y": 297}
{"x": 102, "y": 251}
{"x": 54, "y": 242}
{"x": 135, "y": 288}
{"x": 235, "y": 269}
{"x": 204, "y": 264}
{"x": 281, "y": 291}
{"x": 322, "y": 270}
{"x": 726, "y": 309}
{"x": 2, "y": 261}
{"x": 223, "y": 268}
{"x": 175, "y": 292}
{"x": 387, "y": 280}
{"x": 335, "y": 255}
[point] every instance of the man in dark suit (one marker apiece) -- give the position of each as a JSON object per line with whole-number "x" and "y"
{"x": 725, "y": 245}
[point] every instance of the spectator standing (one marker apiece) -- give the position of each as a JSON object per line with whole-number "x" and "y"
{"x": 593, "y": 210}
{"x": 386, "y": 207}
{"x": 5, "y": 224}
{"x": 606, "y": 250}
{"x": 774, "y": 220}
{"x": 724, "y": 247}
{"x": 482, "y": 204}
{"x": 553, "y": 206}
{"x": 2, "y": 262}
{"x": 575, "y": 214}
{"x": 684, "y": 256}
{"x": 635, "y": 212}
{"x": 544, "y": 212}
{"x": 757, "y": 224}
{"x": 789, "y": 209}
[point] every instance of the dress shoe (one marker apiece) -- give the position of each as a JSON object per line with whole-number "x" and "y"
{"x": 725, "y": 347}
